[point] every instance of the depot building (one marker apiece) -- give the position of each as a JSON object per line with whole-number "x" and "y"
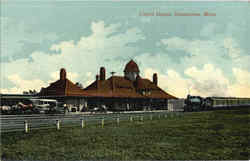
{"x": 127, "y": 92}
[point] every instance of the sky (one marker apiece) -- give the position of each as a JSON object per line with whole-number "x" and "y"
{"x": 200, "y": 55}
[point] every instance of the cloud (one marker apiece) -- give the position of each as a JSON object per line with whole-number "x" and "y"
{"x": 215, "y": 66}
{"x": 205, "y": 66}
{"x": 12, "y": 90}
{"x": 85, "y": 55}
{"x": 70, "y": 75}
{"x": 208, "y": 30}
{"x": 241, "y": 87}
{"x": 189, "y": 52}
{"x": 20, "y": 39}
{"x": 222, "y": 50}
{"x": 194, "y": 47}
{"x": 233, "y": 50}
{"x": 207, "y": 81}
{"x": 23, "y": 85}
{"x": 89, "y": 79}
{"x": 171, "y": 81}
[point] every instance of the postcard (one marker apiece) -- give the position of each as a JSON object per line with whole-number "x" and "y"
{"x": 125, "y": 80}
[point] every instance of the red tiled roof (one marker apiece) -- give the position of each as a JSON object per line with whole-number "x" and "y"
{"x": 117, "y": 86}
{"x": 131, "y": 66}
{"x": 155, "y": 91}
{"x": 62, "y": 87}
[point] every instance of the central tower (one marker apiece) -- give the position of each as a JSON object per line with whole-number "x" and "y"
{"x": 131, "y": 70}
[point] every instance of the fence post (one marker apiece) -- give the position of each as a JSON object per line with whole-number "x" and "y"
{"x": 159, "y": 116}
{"x": 58, "y": 124}
{"x": 118, "y": 120}
{"x": 26, "y": 129}
{"x": 131, "y": 118}
{"x": 102, "y": 122}
{"x": 141, "y": 118}
{"x": 83, "y": 123}
{"x": 151, "y": 117}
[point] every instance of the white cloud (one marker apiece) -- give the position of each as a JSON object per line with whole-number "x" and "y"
{"x": 232, "y": 47}
{"x": 242, "y": 76}
{"x": 208, "y": 30}
{"x": 214, "y": 50}
{"x": 88, "y": 74}
{"x": 206, "y": 64}
{"x": 208, "y": 81}
{"x": 196, "y": 52}
{"x": 241, "y": 87}
{"x": 172, "y": 82}
{"x": 83, "y": 56}
{"x": 12, "y": 90}
{"x": 17, "y": 37}
{"x": 176, "y": 43}
{"x": 194, "y": 47}
{"x": 89, "y": 78}
{"x": 26, "y": 85}
{"x": 106, "y": 46}
{"x": 23, "y": 85}
{"x": 70, "y": 75}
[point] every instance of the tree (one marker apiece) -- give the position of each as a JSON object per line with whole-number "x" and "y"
{"x": 25, "y": 92}
{"x": 30, "y": 92}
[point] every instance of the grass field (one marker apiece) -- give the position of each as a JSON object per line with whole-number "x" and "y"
{"x": 201, "y": 135}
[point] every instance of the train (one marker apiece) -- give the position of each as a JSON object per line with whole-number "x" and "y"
{"x": 31, "y": 105}
{"x": 198, "y": 103}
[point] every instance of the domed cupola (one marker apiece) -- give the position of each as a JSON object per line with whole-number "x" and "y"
{"x": 131, "y": 70}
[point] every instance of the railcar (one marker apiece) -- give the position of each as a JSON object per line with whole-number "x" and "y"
{"x": 197, "y": 103}
{"x": 226, "y": 102}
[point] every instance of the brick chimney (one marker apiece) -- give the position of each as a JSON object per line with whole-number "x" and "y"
{"x": 97, "y": 82}
{"x": 62, "y": 74}
{"x": 102, "y": 73}
{"x": 136, "y": 83}
{"x": 155, "y": 79}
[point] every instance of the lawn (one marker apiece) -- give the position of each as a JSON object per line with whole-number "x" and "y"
{"x": 213, "y": 135}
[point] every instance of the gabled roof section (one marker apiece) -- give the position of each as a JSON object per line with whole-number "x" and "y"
{"x": 117, "y": 86}
{"x": 72, "y": 89}
{"x": 155, "y": 91}
{"x": 62, "y": 87}
{"x": 54, "y": 89}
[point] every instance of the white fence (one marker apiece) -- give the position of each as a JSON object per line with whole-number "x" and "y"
{"x": 26, "y": 123}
